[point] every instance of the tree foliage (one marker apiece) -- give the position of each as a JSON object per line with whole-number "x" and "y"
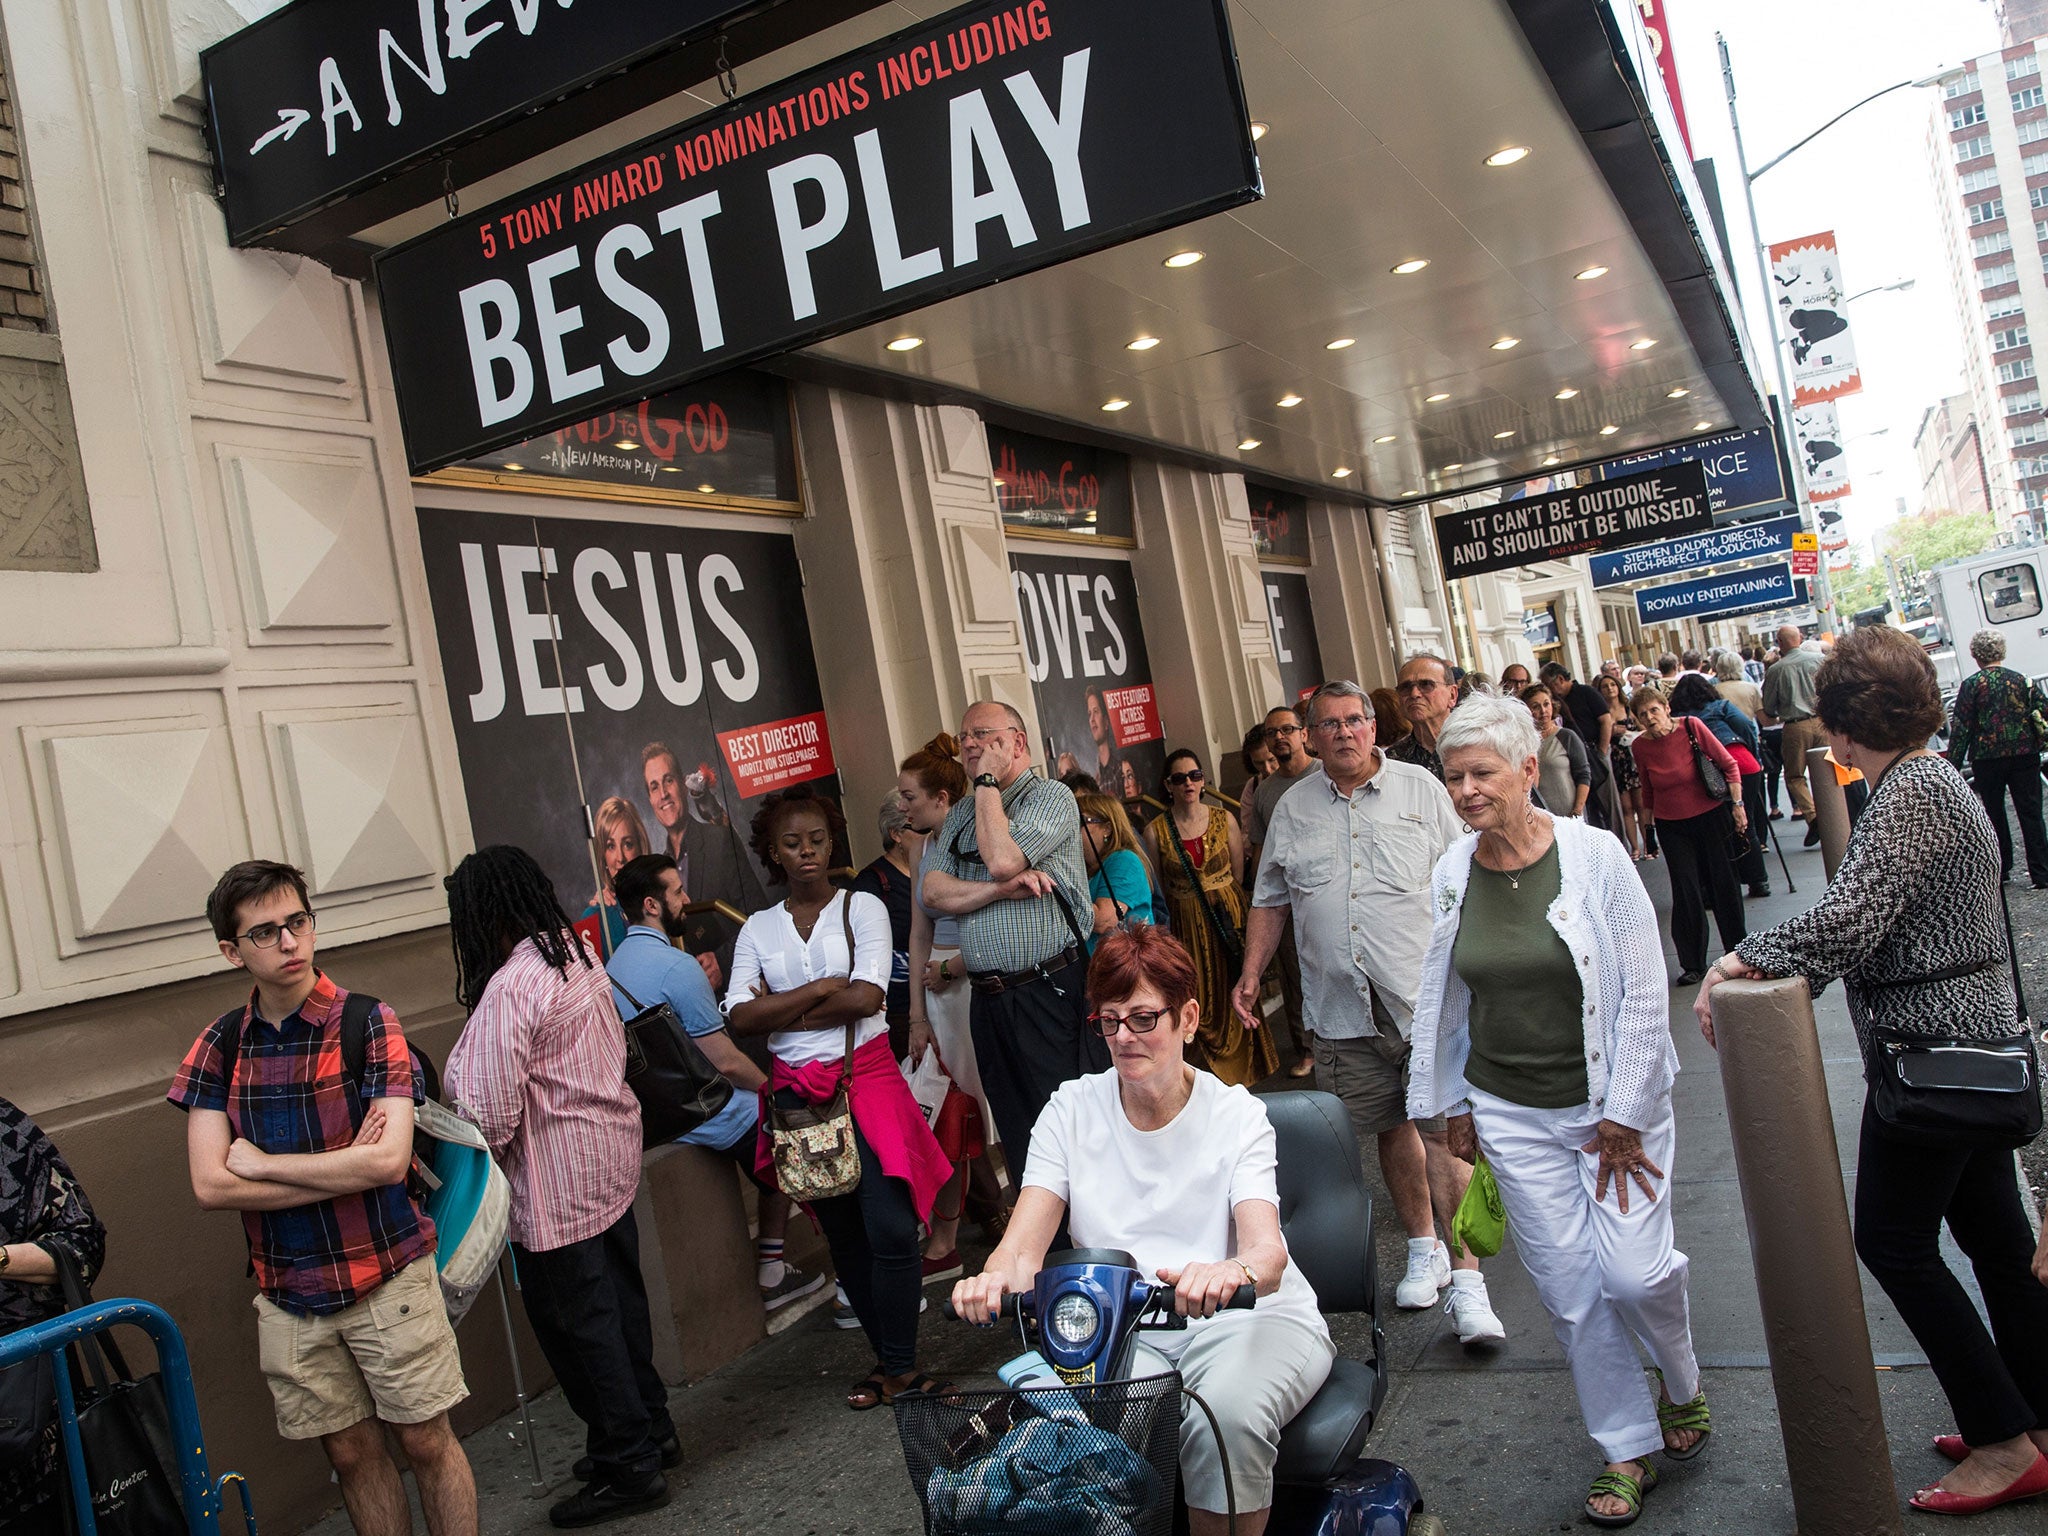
{"x": 1937, "y": 534}
{"x": 1859, "y": 589}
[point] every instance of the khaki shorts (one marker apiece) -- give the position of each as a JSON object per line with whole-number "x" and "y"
{"x": 391, "y": 1355}
{"x": 1370, "y": 1074}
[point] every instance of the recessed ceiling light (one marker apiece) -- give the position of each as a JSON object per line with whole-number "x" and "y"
{"x": 670, "y": 469}
{"x": 1248, "y": 445}
{"x": 1550, "y": 460}
{"x": 906, "y": 343}
{"x": 1513, "y": 154}
{"x": 1411, "y": 266}
{"x": 1411, "y": 493}
{"x": 1340, "y": 343}
{"x": 1609, "y": 430}
{"x": 1117, "y": 404}
{"x": 1567, "y": 393}
{"x": 1678, "y": 394}
{"x": 1339, "y": 473}
{"x": 1388, "y": 438}
{"x": 1448, "y": 468}
{"x": 1142, "y": 344}
{"x": 1259, "y": 131}
{"x": 1642, "y": 345}
{"x": 1507, "y": 343}
{"x": 1288, "y": 401}
{"x": 516, "y": 469}
{"x": 1702, "y": 426}
{"x": 1502, "y": 436}
{"x": 1436, "y": 399}
{"x": 1183, "y": 259}
{"x": 707, "y": 489}
{"x": 625, "y": 445}
{"x": 1590, "y": 273}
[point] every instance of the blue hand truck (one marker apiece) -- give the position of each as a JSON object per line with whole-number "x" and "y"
{"x": 203, "y": 1497}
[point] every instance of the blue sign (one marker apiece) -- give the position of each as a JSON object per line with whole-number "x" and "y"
{"x": 1763, "y": 586}
{"x": 1743, "y": 473}
{"x": 1738, "y": 541}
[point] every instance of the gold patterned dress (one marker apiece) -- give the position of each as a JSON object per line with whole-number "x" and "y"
{"x": 1222, "y": 1044}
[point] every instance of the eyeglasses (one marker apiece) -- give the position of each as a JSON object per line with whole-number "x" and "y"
{"x": 1350, "y": 725}
{"x": 1283, "y": 730}
{"x": 1141, "y": 1022}
{"x": 985, "y": 732}
{"x": 1093, "y": 821}
{"x": 266, "y": 935}
{"x": 1418, "y": 685}
{"x": 1190, "y": 776}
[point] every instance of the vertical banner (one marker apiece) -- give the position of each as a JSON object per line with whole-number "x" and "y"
{"x": 1817, "y": 435}
{"x": 1806, "y": 285}
{"x": 1085, "y": 652}
{"x": 1294, "y": 633}
{"x": 1657, "y": 25}
{"x": 686, "y": 676}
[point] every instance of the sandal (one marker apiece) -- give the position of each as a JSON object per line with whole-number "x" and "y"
{"x": 1683, "y": 1416}
{"x": 869, "y": 1392}
{"x": 1619, "y": 1485}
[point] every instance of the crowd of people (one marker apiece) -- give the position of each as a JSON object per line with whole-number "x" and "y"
{"x": 1426, "y": 899}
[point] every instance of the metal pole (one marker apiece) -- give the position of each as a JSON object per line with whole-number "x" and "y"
{"x": 540, "y": 1482}
{"x": 1823, "y": 587}
{"x": 1830, "y": 808}
{"x": 1789, "y": 1168}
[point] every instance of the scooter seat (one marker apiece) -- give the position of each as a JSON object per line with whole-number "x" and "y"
{"x": 1323, "y": 1440}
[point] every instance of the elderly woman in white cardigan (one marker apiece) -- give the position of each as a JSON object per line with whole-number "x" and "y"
{"x": 1544, "y": 1033}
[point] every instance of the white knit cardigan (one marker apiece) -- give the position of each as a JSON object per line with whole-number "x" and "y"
{"x": 1604, "y": 916}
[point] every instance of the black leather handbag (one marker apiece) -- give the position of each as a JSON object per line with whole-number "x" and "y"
{"x": 1953, "y": 1091}
{"x": 676, "y": 1084}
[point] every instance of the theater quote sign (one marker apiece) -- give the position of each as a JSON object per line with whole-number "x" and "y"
{"x": 995, "y": 140}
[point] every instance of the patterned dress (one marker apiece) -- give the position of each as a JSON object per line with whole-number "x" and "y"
{"x": 1222, "y": 1044}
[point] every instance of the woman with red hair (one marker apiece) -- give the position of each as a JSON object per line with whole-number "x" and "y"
{"x": 1179, "y": 1170}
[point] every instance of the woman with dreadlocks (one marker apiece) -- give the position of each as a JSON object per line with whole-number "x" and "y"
{"x": 541, "y": 1069}
{"x": 810, "y": 973}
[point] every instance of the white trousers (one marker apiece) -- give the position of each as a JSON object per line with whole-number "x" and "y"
{"x": 1602, "y": 1275}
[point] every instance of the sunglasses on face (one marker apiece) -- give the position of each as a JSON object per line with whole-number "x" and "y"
{"x": 1140, "y": 1021}
{"x": 1187, "y": 776}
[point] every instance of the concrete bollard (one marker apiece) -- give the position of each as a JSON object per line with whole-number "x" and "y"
{"x": 1830, "y": 807}
{"x": 1799, "y": 1240}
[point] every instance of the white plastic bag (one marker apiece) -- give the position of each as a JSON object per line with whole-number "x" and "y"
{"x": 928, "y": 1083}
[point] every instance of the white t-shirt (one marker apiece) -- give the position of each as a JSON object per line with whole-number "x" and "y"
{"x": 769, "y": 949}
{"x": 1165, "y": 1196}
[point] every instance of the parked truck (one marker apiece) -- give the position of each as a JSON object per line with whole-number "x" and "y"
{"x": 2005, "y": 590}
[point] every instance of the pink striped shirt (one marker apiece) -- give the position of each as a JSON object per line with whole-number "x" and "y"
{"x": 541, "y": 1069}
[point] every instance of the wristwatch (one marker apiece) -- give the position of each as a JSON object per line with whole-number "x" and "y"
{"x": 986, "y": 781}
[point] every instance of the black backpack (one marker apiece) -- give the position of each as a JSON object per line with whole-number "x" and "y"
{"x": 356, "y": 1011}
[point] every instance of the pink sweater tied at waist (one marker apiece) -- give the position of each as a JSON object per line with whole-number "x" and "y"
{"x": 888, "y": 1118}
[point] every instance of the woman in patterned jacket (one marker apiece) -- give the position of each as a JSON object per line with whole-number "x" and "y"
{"x": 44, "y": 1215}
{"x": 1914, "y": 926}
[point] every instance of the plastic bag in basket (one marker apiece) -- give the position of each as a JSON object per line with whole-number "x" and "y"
{"x": 1051, "y": 1475}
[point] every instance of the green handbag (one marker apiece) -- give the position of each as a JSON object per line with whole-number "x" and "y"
{"x": 1481, "y": 1222}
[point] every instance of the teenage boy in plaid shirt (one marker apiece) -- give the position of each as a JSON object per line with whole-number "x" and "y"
{"x": 351, "y": 1331}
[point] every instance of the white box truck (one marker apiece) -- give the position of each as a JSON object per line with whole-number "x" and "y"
{"x": 2004, "y": 590}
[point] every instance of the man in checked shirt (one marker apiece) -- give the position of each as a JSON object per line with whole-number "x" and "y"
{"x": 350, "y": 1327}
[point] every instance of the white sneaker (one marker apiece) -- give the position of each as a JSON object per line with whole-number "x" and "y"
{"x": 1429, "y": 1271}
{"x": 1469, "y": 1308}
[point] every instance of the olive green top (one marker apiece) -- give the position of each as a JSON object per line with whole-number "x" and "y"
{"x": 1528, "y": 1042}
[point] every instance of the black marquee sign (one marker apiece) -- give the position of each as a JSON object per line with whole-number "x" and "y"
{"x": 995, "y": 140}
{"x": 1607, "y": 514}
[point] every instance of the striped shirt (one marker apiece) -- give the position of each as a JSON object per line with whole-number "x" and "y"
{"x": 1012, "y": 936}
{"x": 541, "y": 1069}
{"x": 290, "y": 1095}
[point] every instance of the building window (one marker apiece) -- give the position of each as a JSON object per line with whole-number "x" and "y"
{"x": 2019, "y": 368}
{"x": 2028, "y": 99}
{"x": 2035, "y": 164}
{"x": 1998, "y": 276}
{"x": 2033, "y": 132}
{"x": 1962, "y": 85}
{"x": 1984, "y": 212}
{"x": 2041, "y": 231}
{"x": 1981, "y": 180}
{"x": 2004, "y": 306}
{"x": 2005, "y": 341}
{"x": 1967, "y": 117}
{"x": 1974, "y": 148}
{"x": 2020, "y": 404}
{"x": 2031, "y": 500}
{"x": 2029, "y": 432}
{"x": 2019, "y": 68}
{"x": 1991, "y": 245}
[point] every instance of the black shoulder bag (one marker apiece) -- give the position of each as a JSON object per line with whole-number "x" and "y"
{"x": 669, "y": 1074}
{"x": 124, "y": 1430}
{"x": 1953, "y": 1091}
{"x": 1232, "y": 945}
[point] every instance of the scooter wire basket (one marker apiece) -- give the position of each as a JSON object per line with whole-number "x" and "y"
{"x": 1098, "y": 1460}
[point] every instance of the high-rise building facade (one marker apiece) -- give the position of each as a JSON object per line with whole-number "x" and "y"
{"x": 1950, "y": 449}
{"x": 1988, "y": 153}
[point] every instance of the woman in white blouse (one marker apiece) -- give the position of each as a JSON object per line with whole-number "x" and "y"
{"x": 1175, "y": 1168}
{"x": 805, "y": 973}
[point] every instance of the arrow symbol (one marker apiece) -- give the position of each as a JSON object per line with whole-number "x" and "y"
{"x": 289, "y": 121}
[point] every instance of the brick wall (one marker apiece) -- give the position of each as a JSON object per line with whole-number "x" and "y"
{"x": 24, "y": 301}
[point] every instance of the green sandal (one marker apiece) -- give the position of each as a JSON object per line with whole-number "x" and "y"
{"x": 1619, "y": 1485}
{"x": 1683, "y": 1416}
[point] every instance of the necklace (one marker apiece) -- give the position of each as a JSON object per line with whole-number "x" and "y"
{"x": 1514, "y": 876}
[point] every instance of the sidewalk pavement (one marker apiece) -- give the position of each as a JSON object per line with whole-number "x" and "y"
{"x": 1494, "y": 1440}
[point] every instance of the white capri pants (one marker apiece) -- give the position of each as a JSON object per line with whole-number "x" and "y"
{"x": 947, "y": 1012}
{"x": 1602, "y": 1276}
{"x": 1256, "y": 1372}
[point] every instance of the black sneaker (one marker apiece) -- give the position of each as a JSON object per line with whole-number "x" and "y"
{"x": 597, "y": 1503}
{"x": 671, "y": 1456}
{"x": 1690, "y": 978}
{"x": 1812, "y": 834}
{"x": 1760, "y": 890}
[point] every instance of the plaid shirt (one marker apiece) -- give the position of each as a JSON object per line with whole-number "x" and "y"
{"x": 1046, "y": 825}
{"x": 288, "y": 1096}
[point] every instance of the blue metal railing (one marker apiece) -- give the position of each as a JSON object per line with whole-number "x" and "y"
{"x": 200, "y": 1495}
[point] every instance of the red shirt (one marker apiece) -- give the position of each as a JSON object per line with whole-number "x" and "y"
{"x": 1671, "y": 780}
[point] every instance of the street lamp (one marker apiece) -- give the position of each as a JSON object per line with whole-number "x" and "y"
{"x": 1899, "y": 287}
{"x": 1763, "y": 266}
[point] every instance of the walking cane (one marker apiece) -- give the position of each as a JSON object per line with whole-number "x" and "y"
{"x": 1771, "y": 833}
{"x": 540, "y": 1485}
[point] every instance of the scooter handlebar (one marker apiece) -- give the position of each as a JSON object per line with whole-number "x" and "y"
{"x": 1012, "y": 1301}
{"x": 1243, "y": 1299}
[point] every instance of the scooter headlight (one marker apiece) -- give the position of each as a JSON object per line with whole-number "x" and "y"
{"x": 1075, "y": 1319}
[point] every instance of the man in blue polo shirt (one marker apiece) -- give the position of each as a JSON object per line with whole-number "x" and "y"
{"x": 647, "y": 969}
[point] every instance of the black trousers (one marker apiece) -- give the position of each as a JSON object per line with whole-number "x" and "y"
{"x": 1774, "y": 765}
{"x": 1995, "y": 778}
{"x": 1751, "y": 868}
{"x": 1702, "y": 876}
{"x": 873, "y": 1236}
{"x": 1996, "y": 1380}
{"x": 1026, "y": 1043}
{"x": 588, "y": 1307}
